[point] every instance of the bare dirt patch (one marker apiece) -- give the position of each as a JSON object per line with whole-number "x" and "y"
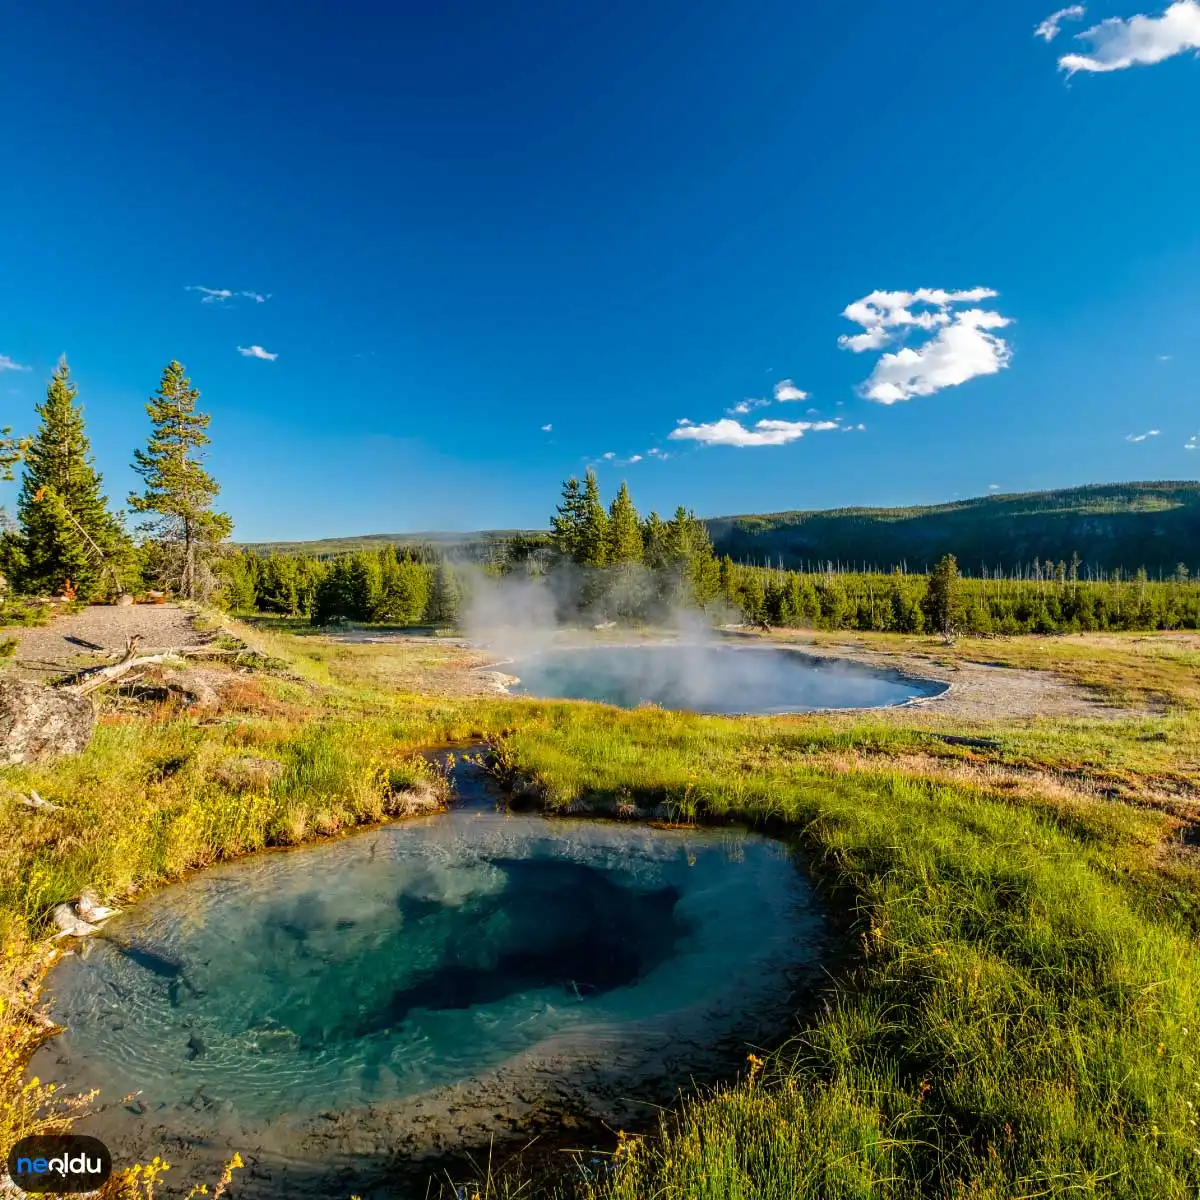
{"x": 82, "y": 639}
{"x": 978, "y": 691}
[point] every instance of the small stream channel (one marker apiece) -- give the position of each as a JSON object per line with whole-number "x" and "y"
{"x": 339, "y": 1011}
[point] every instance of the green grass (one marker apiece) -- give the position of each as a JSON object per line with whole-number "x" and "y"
{"x": 1022, "y": 1014}
{"x": 23, "y": 613}
{"x": 1015, "y": 1012}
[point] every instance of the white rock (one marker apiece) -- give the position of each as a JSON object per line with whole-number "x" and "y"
{"x": 89, "y": 909}
{"x": 69, "y": 925}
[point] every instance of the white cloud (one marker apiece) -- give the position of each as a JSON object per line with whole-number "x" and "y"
{"x": 993, "y": 487}
{"x": 220, "y": 295}
{"x": 9, "y": 364}
{"x": 609, "y": 455}
{"x": 744, "y": 406}
{"x": 257, "y": 352}
{"x": 1048, "y": 30}
{"x": 547, "y": 428}
{"x": 211, "y": 295}
{"x": 1141, "y": 437}
{"x": 1138, "y": 41}
{"x": 881, "y": 312}
{"x": 726, "y": 432}
{"x": 786, "y": 390}
{"x": 962, "y": 344}
{"x": 635, "y": 458}
{"x": 1191, "y": 443}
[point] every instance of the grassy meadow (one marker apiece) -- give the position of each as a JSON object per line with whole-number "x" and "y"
{"x": 1017, "y": 1008}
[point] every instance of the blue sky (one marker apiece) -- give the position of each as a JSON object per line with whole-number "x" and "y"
{"x": 469, "y": 221}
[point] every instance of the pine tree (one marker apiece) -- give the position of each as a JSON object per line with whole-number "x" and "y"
{"x": 654, "y": 538}
{"x": 624, "y": 529}
{"x": 179, "y": 492}
{"x": 941, "y": 604}
{"x": 754, "y": 600}
{"x": 239, "y": 575}
{"x": 365, "y": 586}
{"x": 67, "y": 532}
{"x": 593, "y": 533}
{"x": 12, "y": 450}
{"x": 566, "y": 526}
{"x": 335, "y": 599}
{"x": 443, "y": 596}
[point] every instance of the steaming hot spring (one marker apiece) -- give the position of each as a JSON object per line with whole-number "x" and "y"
{"x": 707, "y": 678}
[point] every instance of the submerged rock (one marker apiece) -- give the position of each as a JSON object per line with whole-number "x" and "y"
{"x": 38, "y": 723}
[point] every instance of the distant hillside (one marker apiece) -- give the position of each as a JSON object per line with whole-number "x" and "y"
{"x": 1126, "y": 525}
{"x": 458, "y": 545}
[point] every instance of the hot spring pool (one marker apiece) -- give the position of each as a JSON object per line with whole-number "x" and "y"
{"x": 713, "y": 679}
{"x": 432, "y": 982}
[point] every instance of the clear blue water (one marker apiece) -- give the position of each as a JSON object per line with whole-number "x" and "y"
{"x": 712, "y": 679}
{"x": 415, "y": 956}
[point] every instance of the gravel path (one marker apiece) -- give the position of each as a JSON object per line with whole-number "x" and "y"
{"x": 78, "y": 640}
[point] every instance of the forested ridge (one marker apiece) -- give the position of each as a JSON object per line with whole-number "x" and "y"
{"x": 1109, "y": 526}
{"x": 1155, "y": 525}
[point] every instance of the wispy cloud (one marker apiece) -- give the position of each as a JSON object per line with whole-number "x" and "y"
{"x": 1191, "y": 443}
{"x": 993, "y": 487}
{"x": 726, "y": 432}
{"x": 635, "y": 458}
{"x": 211, "y": 295}
{"x": 547, "y": 428}
{"x": 786, "y": 390}
{"x": 744, "y": 406}
{"x": 1138, "y": 41}
{"x": 1141, "y": 437}
{"x": 1048, "y": 30}
{"x": 220, "y": 295}
{"x": 609, "y": 455}
{"x": 8, "y": 364}
{"x": 256, "y": 352}
{"x": 961, "y": 345}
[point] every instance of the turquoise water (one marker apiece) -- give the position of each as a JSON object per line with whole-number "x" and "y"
{"x": 414, "y": 956}
{"x": 712, "y": 679}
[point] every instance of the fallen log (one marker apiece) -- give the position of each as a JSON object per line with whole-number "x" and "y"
{"x": 96, "y": 677}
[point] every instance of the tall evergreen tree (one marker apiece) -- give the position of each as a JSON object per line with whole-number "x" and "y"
{"x": 942, "y": 603}
{"x": 624, "y": 529}
{"x": 444, "y": 596}
{"x": 654, "y": 539}
{"x": 593, "y": 533}
{"x": 566, "y": 526}
{"x": 180, "y": 493}
{"x": 67, "y": 532}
